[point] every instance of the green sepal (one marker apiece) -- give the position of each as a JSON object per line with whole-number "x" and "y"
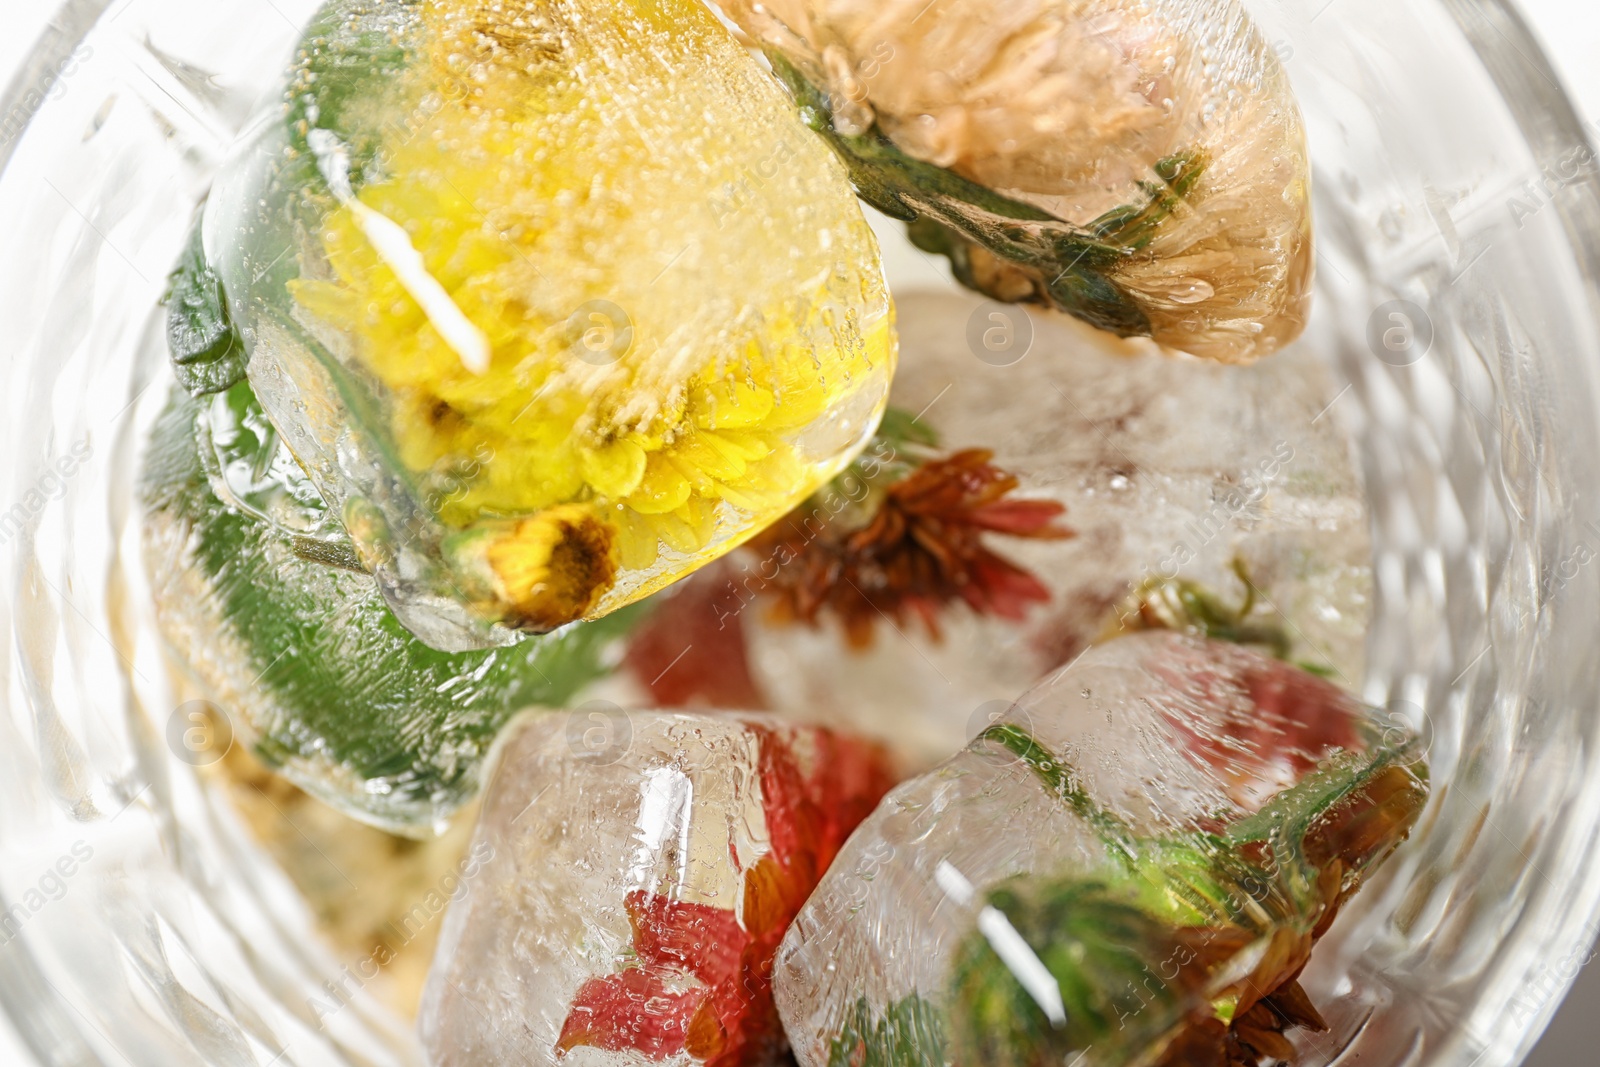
{"x": 1196, "y": 869}
{"x": 1097, "y": 300}
{"x": 208, "y": 354}
{"x": 1117, "y": 942}
{"x": 901, "y": 428}
{"x": 1289, "y": 815}
{"x": 1183, "y": 605}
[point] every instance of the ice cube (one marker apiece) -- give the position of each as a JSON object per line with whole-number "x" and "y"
{"x": 1166, "y": 469}
{"x": 1140, "y": 164}
{"x": 554, "y": 302}
{"x": 642, "y": 869}
{"x": 1141, "y": 850}
{"x": 263, "y": 601}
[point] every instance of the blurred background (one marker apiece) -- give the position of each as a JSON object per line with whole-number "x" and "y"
{"x": 1570, "y": 32}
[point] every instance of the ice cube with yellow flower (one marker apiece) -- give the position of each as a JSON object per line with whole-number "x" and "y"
{"x": 555, "y": 300}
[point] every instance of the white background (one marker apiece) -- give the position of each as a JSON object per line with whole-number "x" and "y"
{"x": 1570, "y": 31}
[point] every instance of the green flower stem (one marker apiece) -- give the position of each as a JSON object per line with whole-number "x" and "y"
{"x": 1062, "y": 783}
{"x": 1073, "y": 264}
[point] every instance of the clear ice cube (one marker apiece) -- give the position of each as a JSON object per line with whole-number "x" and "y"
{"x": 1139, "y": 852}
{"x": 1166, "y": 469}
{"x": 640, "y": 870}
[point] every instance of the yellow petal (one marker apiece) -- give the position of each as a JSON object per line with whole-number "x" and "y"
{"x": 535, "y": 469}
{"x": 699, "y": 514}
{"x": 677, "y": 534}
{"x": 746, "y": 448}
{"x": 662, "y": 489}
{"x": 521, "y": 200}
{"x": 698, "y": 455}
{"x": 772, "y": 483}
{"x": 637, "y": 540}
{"x": 729, "y": 405}
{"x": 615, "y": 469}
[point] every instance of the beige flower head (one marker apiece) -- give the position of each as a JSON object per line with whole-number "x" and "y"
{"x": 1065, "y": 118}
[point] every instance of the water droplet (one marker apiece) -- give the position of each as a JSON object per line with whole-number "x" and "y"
{"x": 1190, "y": 291}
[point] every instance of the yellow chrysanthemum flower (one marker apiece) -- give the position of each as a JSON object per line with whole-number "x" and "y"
{"x": 618, "y": 308}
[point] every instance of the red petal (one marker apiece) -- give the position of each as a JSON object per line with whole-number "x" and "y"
{"x": 631, "y": 1010}
{"x": 1317, "y": 716}
{"x": 811, "y": 805}
{"x": 1264, "y": 744}
{"x": 1007, "y": 590}
{"x": 927, "y": 609}
{"x": 691, "y": 650}
{"x": 705, "y": 941}
{"x": 783, "y": 794}
{"x": 812, "y": 809}
{"x": 1020, "y": 518}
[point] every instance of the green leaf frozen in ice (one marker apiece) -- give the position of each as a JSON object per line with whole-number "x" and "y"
{"x": 208, "y": 355}
{"x": 263, "y": 600}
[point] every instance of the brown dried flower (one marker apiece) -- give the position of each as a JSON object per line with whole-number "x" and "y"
{"x": 1342, "y": 845}
{"x": 922, "y": 549}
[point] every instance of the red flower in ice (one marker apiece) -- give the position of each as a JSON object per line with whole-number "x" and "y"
{"x": 924, "y": 548}
{"x": 704, "y": 980}
{"x": 1259, "y": 723}
{"x": 691, "y": 650}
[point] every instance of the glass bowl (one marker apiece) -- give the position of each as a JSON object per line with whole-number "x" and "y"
{"x": 1455, "y": 189}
